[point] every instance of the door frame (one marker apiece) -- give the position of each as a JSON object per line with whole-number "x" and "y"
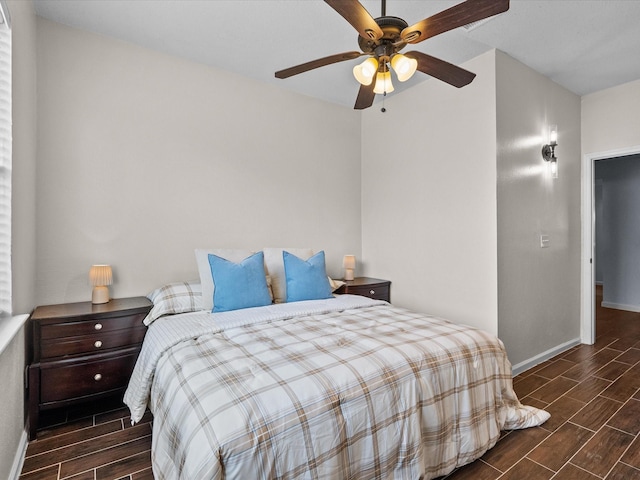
{"x": 587, "y": 290}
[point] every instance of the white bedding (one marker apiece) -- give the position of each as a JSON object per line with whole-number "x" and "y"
{"x": 340, "y": 388}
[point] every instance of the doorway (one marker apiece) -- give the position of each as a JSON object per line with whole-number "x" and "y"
{"x": 588, "y": 280}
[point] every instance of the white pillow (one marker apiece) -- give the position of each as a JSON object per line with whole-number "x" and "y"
{"x": 275, "y": 269}
{"x": 204, "y": 269}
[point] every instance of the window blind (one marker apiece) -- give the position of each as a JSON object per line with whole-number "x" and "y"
{"x": 5, "y": 162}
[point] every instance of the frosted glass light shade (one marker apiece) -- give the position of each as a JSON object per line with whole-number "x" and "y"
{"x": 365, "y": 71}
{"x": 404, "y": 66}
{"x": 383, "y": 83}
{"x": 100, "y": 276}
{"x": 553, "y": 134}
{"x": 554, "y": 167}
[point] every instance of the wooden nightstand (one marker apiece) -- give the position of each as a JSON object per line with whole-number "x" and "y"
{"x": 80, "y": 352}
{"x": 368, "y": 287}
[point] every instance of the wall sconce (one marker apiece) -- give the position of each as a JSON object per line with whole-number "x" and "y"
{"x": 349, "y": 264}
{"x": 100, "y": 277}
{"x": 549, "y": 151}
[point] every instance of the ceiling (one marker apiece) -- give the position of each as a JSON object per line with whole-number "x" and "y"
{"x": 584, "y": 45}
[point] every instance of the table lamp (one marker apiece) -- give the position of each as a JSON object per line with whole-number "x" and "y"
{"x": 100, "y": 277}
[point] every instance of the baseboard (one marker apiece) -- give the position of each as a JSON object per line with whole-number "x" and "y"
{"x": 18, "y": 460}
{"x": 544, "y": 356}
{"x": 621, "y": 306}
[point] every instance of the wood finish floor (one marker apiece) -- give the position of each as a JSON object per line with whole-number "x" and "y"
{"x": 591, "y": 391}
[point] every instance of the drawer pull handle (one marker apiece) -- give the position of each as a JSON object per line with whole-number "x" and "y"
{"x": 97, "y": 377}
{"x": 98, "y": 326}
{"x": 98, "y": 344}
{"x": 372, "y": 292}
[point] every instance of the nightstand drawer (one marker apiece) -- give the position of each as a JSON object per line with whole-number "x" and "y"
{"x": 85, "y": 327}
{"x": 79, "y": 379}
{"x": 377, "y": 292}
{"x": 96, "y": 342}
{"x": 374, "y": 288}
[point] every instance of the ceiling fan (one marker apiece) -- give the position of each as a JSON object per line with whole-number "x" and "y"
{"x": 382, "y": 38}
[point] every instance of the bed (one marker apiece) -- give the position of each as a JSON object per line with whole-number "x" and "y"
{"x": 341, "y": 387}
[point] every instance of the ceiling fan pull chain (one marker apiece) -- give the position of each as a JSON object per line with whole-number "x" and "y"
{"x": 384, "y": 93}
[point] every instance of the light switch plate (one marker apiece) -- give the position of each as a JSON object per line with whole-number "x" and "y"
{"x": 544, "y": 241}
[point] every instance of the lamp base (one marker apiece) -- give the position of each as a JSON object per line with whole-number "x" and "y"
{"x": 100, "y": 294}
{"x": 348, "y": 274}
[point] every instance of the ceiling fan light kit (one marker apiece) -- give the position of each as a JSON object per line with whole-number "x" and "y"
{"x": 382, "y": 39}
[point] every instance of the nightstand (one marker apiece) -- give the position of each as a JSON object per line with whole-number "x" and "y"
{"x": 80, "y": 352}
{"x": 367, "y": 287}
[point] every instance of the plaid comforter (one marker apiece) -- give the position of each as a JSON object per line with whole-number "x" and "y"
{"x": 346, "y": 388}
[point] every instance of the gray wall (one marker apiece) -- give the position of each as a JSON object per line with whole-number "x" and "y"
{"x": 538, "y": 288}
{"x": 618, "y": 231}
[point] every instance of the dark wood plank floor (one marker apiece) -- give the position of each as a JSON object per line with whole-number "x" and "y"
{"x": 593, "y": 395}
{"x": 591, "y": 391}
{"x": 90, "y": 442}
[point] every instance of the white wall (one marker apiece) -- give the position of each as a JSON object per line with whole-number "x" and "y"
{"x": 144, "y": 157}
{"x": 429, "y": 197}
{"x": 12, "y": 419}
{"x": 538, "y": 288}
{"x": 12, "y": 359}
{"x": 610, "y": 119}
{"x": 24, "y": 155}
{"x": 610, "y": 126}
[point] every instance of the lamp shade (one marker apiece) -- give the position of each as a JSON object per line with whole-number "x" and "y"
{"x": 366, "y": 71}
{"x": 349, "y": 261}
{"x": 100, "y": 276}
{"x": 404, "y": 66}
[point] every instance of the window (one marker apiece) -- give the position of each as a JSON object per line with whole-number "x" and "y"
{"x": 5, "y": 161}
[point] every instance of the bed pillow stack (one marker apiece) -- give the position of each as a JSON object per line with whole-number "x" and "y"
{"x": 231, "y": 279}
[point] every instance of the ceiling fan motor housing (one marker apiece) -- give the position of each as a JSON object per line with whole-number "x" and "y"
{"x": 391, "y": 42}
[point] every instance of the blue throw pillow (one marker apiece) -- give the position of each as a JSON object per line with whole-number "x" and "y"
{"x": 306, "y": 279}
{"x": 239, "y": 285}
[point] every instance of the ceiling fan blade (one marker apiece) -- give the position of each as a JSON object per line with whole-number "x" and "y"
{"x": 365, "y": 97}
{"x": 445, "y": 71}
{"x": 358, "y": 16}
{"x": 320, "y": 62}
{"x": 454, "y": 17}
